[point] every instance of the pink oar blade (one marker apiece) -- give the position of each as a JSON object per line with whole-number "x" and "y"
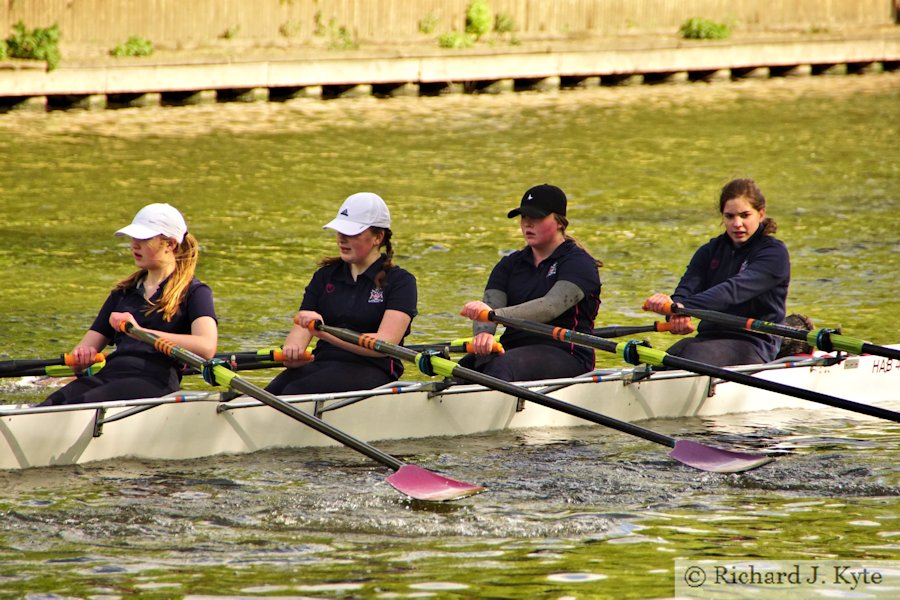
{"x": 707, "y": 458}
{"x": 422, "y": 484}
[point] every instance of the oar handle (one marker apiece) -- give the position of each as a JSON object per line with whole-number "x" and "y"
{"x": 12, "y": 368}
{"x": 254, "y": 357}
{"x": 69, "y": 359}
{"x": 496, "y": 347}
{"x": 612, "y": 331}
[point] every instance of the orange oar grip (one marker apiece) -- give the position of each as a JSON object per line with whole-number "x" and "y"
{"x": 278, "y": 355}
{"x": 496, "y": 348}
{"x": 311, "y": 325}
{"x": 70, "y": 360}
{"x": 483, "y": 316}
{"x": 663, "y": 326}
{"x": 666, "y": 310}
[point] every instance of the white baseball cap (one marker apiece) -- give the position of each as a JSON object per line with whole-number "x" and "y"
{"x": 156, "y": 219}
{"x": 359, "y": 212}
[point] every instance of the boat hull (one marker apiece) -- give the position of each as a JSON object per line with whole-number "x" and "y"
{"x": 185, "y": 430}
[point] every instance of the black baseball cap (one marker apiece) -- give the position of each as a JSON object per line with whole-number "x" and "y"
{"x": 540, "y": 201}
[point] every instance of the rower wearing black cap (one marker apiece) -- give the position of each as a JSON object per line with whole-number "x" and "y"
{"x": 553, "y": 280}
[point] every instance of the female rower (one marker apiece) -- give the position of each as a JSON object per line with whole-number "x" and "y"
{"x": 162, "y": 297}
{"x": 744, "y": 272}
{"x": 361, "y": 289}
{"x": 552, "y": 280}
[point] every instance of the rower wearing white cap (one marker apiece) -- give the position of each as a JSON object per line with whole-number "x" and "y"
{"x": 360, "y": 289}
{"x": 163, "y": 297}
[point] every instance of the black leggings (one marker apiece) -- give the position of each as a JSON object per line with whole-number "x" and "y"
{"x": 539, "y": 361}
{"x": 720, "y": 352}
{"x": 320, "y": 377}
{"x": 123, "y": 378}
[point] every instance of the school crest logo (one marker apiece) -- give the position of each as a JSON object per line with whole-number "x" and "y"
{"x": 552, "y": 270}
{"x": 376, "y": 296}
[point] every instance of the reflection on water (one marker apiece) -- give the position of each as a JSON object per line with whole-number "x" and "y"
{"x": 575, "y": 508}
{"x": 570, "y": 513}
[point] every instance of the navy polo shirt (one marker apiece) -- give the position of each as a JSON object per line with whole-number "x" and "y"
{"x": 750, "y": 280}
{"x": 198, "y": 302}
{"x": 517, "y": 276}
{"x": 360, "y": 306}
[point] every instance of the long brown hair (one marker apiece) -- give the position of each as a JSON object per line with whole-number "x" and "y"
{"x": 186, "y": 255}
{"x": 388, "y": 253}
{"x": 564, "y": 223}
{"x": 747, "y": 188}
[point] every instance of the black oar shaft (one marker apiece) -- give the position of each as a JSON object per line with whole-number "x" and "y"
{"x": 571, "y": 409}
{"x": 245, "y": 387}
{"x": 8, "y": 367}
{"x": 373, "y": 343}
{"x": 612, "y": 331}
{"x": 823, "y": 339}
{"x": 652, "y": 356}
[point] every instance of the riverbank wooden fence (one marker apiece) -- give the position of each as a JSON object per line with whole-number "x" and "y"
{"x": 181, "y": 23}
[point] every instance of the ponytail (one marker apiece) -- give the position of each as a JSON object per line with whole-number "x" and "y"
{"x": 564, "y": 223}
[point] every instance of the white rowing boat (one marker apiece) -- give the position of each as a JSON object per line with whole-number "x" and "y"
{"x": 197, "y": 424}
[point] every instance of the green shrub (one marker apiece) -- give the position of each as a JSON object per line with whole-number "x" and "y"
{"x": 230, "y": 33}
{"x": 2, "y": 49}
{"x": 428, "y": 23}
{"x": 479, "y": 18}
{"x": 504, "y": 23}
{"x": 290, "y": 29}
{"x": 339, "y": 37}
{"x": 134, "y": 46}
{"x": 37, "y": 44}
{"x": 456, "y": 39}
{"x": 697, "y": 28}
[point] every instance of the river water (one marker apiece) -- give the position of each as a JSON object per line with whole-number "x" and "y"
{"x": 570, "y": 513}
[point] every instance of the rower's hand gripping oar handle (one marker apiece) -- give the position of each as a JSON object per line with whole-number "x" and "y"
{"x": 468, "y": 347}
{"x": 69, "y": 359}
{"x": 669, "y": 308}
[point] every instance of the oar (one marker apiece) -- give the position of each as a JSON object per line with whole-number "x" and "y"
{"x": 237, "y": 361}
{"x": 612, "y": 331}
{"x": 826, "y": 340}
{"x": 267, "y": 358}
{"x": 691, "y": 453}
{"x": 464, "y": 345}
{"x": 20, "y": 368}
{"x": 635, "y": 354}
{"x": 412, "y": 480}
